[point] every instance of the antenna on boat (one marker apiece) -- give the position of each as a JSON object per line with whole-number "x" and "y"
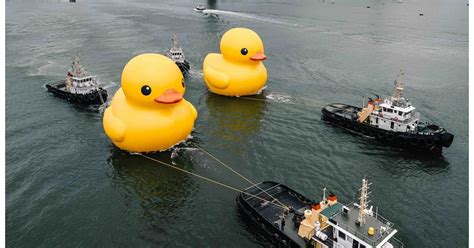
{"x": 364, "y": 201}
{"x": 398, "y": 86}
{"x": 324, "y": 195}
{"x": 175, "y": 40}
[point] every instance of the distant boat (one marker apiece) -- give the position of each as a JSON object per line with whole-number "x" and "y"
{"x": 200, "y": 8}
{"x": 177, "y": 55}
{"x": 72, "y": 1}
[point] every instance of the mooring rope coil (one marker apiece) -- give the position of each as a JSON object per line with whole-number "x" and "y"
{"x": 214, "y": 181}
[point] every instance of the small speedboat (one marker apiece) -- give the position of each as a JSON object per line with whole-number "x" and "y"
{"x": 200, "y": 8}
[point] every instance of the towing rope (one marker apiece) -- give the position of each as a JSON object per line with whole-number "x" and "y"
{"x": 214, "y": 181}
{"x": 240, "y": 175}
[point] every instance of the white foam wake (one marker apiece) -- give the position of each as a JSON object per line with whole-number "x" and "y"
{"x": 244, "y": 16}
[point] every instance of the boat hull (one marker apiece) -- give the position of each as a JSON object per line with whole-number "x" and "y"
{"x": 95, "y": 97}
{"x": 183, "y": 66}
{"x": 410, "y": 141}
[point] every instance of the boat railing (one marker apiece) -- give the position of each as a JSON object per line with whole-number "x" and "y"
{"x": 378, "y": 216}
{"x": 396, "y": 242}
{"x": 362, "y": 236}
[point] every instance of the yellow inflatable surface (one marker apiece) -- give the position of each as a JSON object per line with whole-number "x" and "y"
{"x": 148, "y": 113}
{"x": 239, "y": 70}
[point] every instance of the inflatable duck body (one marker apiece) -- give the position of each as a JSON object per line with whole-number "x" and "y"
{"x": 238, "y": 70}
{"x": 148, "y": 113}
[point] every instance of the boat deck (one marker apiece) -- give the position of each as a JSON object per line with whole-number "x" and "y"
{"x": 274, "y": 214}
{"x": 348, "y": 222}
{"x": 343, "y": 110}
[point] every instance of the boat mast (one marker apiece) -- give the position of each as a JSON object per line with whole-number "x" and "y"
{"x": 324, "y": 195}
{"x": 397, "y": 94}
{"x": 364, "y": 195}
{"x": 175, "y": 41}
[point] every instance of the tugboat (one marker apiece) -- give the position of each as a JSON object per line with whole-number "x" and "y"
{"x": 176, "y": 54}
{"x": 200, "y": 8}
{"x": 392, "y": 121}
{"x": 289, "y": 219}
{"x": 79, "y": 86}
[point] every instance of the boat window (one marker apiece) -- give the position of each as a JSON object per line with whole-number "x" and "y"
{"x": 361, "y": 246}
{"x": 391, "y": 125}
{"x": 342, "y": 235}
{"x": 377, "y": 120}
{"x": 355, "y": 244}
{"x": 400, "y": 113}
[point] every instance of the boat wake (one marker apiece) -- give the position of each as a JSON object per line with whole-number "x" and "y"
{"x": 42, "y": 70}
{"x": 110, "y": 84}
{"x": 244, "y": 16}
{"x": 279, "y": 97}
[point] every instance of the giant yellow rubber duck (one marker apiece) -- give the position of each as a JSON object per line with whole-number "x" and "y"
{"x": 239, "y": 70}
{"x": 148, "y": 113}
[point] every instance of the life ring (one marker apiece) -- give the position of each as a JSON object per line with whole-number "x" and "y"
{"x": 93, "y": 96}
{"x": 80, "y": 98}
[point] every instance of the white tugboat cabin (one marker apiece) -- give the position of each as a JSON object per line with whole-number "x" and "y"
{"x": 79, "y": 81}
{"x": 395, "y": 113}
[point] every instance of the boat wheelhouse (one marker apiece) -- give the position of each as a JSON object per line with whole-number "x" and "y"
{"x": 79, "y": 86}
{"x": 289, "y": 219}
{"x": 393, "y": 121}
{"x": 176, "y": 54}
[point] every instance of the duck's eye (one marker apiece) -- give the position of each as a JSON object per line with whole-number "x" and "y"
{"x": 182, "y": 83}
{"x": 244, "y": 51}
{"x": 146, "y": 90}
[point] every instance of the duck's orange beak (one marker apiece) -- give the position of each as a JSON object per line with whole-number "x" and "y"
{"x": 169, "y": 96}
{"x": 258, "y": 57}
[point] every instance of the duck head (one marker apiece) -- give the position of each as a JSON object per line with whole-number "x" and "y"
{"x": 152, "y": 80}
{"x": 242, "y": 45}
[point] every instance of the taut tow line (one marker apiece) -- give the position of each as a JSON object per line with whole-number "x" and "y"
{"x": 214, "y": 181}
{"x": 240, "y": 175}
